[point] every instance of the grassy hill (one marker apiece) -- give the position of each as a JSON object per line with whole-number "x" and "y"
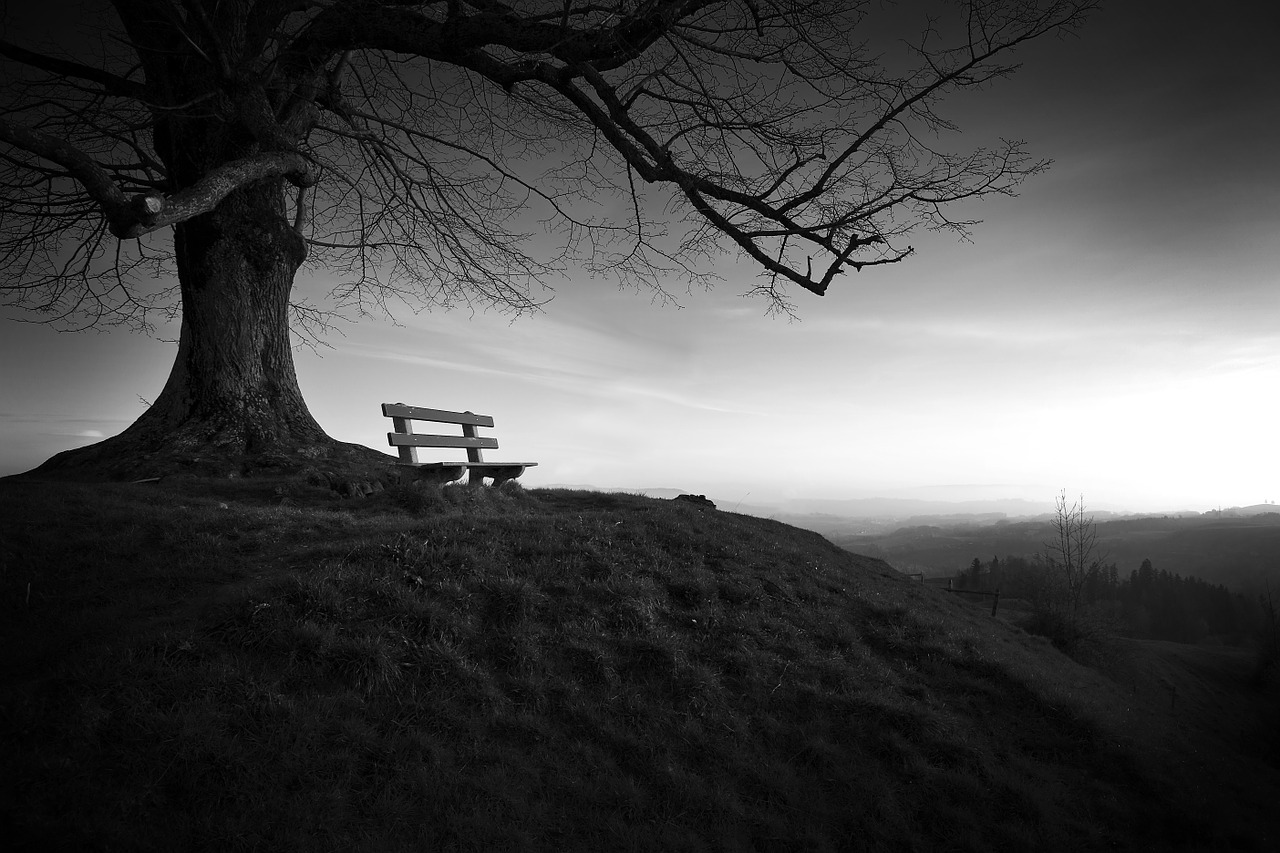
{"x": 261, "y": 665}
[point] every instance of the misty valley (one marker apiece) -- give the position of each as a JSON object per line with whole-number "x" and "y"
{"x": 1186, "y": 577}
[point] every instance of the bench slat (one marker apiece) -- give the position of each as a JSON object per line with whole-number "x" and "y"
{"x": 396, "y": 439}
{"x": 468, "y": 465}
{"x": 475, "y": 465}
{"x": 418, "y": 413}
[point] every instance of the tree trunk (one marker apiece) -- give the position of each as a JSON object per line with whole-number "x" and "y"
{"x": 232, "y": 402}
{"x": 233, "y": 384}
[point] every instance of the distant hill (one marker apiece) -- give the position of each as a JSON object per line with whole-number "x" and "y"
{"x": 900, "y": 508}
{"x": 1239, "y": 551}
{"x": 1256, "y": 509}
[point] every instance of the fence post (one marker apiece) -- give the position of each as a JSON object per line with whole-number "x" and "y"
{"x": 995, "y": 604}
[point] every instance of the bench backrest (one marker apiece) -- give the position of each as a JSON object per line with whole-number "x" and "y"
{"x": 408, "y": 442}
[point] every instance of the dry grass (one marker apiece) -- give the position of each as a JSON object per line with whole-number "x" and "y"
{"x": 232, "y": 666}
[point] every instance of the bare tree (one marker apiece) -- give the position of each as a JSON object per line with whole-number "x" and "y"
{"x": 1070, "y": 555}
{"x": 413, "y": 146}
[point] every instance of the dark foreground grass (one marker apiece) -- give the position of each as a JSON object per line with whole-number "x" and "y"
{"x": 256, "y": 666}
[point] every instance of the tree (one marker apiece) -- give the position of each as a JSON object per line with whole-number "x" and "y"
{"x": 1146, "y": 575}
{"x": 409, "y": 146}
{"x": 1072, "y": 556}
{"x": 975, "y": 574}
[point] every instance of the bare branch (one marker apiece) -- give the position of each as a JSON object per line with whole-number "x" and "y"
{"x": 110, "y": 83}
{"x": 132, "y": 217}
{"x": 441, "y": 137}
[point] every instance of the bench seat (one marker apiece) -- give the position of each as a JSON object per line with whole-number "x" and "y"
{"x": 476, "y": 467}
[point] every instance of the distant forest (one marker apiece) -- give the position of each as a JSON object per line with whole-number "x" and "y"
{"x": 1149, "y": 603}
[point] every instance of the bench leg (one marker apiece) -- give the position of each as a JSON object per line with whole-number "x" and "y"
{"x": 498, "y": 473}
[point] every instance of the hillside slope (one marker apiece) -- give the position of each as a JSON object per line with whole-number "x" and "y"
{"x": 260, "y": 666}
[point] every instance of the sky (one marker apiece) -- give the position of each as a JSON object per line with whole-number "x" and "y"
{"x": 1113, "y": 331}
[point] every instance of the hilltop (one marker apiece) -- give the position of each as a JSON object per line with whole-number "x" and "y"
{"x": 260, "y": 664}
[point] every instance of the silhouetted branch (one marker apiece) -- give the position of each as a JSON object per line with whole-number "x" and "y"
{"x": 439, "y": 138}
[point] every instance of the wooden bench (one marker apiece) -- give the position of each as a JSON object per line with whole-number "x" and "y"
{"x": 408, "y": 442}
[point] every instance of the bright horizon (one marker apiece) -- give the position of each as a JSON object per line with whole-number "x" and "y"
{"x": 1114, "y": 331}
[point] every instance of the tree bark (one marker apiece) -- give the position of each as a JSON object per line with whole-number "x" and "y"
{"x": 234, "y": 377}
{"x": 232, "y": 402}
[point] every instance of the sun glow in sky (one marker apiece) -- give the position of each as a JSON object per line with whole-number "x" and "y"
{"x": 1114, "y": 331}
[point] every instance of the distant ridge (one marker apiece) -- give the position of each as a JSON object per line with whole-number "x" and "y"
{"x": 909, "y": 507}
{"x": 915, "y": 510}
{"x": 1255, "y": 509}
